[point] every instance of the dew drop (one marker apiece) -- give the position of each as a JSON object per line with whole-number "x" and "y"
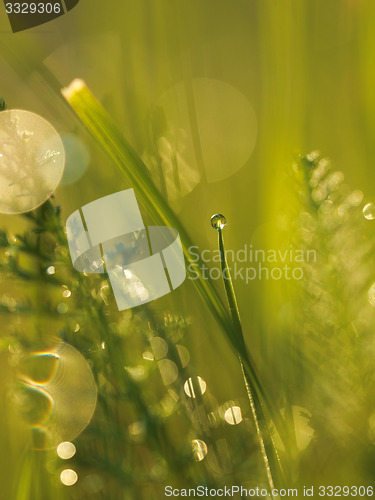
{"x": 199, "y": 449}
{"x": 218, "y": 221}
{"x": 369, "y": 211}
{"x": 50, "y": 270}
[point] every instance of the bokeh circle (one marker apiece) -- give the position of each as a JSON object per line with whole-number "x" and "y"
{"x": 32, "y": 160}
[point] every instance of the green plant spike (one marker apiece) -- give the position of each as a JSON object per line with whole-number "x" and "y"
{"x": 269, "y": 454}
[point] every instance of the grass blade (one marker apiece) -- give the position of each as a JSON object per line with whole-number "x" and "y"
{"x": 105, "y": 132}
{"x": 269, "y": 454}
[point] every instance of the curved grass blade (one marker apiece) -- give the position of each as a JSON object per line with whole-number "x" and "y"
{"x": 269, "y": 454}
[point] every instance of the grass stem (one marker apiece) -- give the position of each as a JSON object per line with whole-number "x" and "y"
{"x": 269, "y": 454}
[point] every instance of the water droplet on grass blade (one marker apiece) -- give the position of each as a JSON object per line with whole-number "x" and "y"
{"x": 218, "y": 221}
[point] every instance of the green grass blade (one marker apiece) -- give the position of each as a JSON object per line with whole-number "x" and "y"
{"x": 269, "y": 454}
{"x": 108, "y": 136}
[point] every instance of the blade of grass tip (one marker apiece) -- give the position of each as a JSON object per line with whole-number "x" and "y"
{"x": 269, "y": 454}
{"x": 104, "y": 131}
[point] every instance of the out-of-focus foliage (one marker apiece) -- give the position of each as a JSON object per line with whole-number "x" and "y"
{"x": 152, "y": 425}
{"x": 332, "y": 320}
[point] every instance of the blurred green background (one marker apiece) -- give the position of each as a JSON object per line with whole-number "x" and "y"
{"x": 228, "y": 94}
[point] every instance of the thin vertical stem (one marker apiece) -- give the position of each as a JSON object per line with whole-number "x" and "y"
{"x": 270, "y": 458}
